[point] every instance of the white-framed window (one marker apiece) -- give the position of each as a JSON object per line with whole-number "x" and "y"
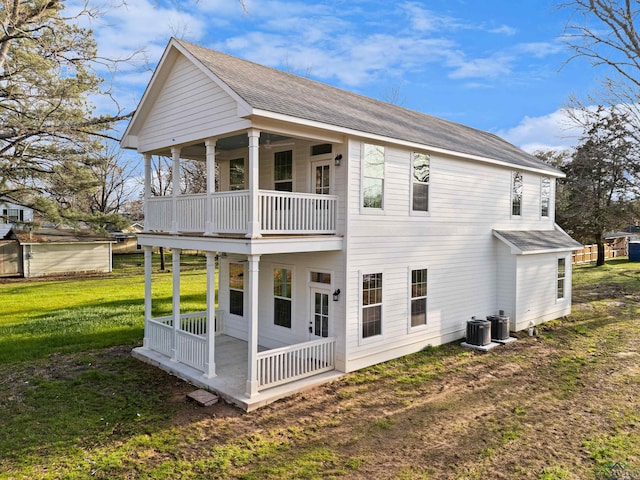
{"x": 545, "y": 196}
{"x": 371, "y": 304}
{"x": 373, "y": 176}
{"x": 516, "y": 194}
{"x": 236, "y": 289}
{"x": 418, "y": 295}
{"x": 283, "y": 171}
{"x": 236, "y": 174}
{"x": 282, "y": 297}
{"x": 561, "y": 285}
{"x": 420, "y": 170}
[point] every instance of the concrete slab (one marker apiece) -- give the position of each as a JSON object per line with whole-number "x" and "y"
{"x": 231, "y": 374}
{"x": 203, "y": 398}
{"x": 482, "y": 348}
{"x": 506, "y": 340}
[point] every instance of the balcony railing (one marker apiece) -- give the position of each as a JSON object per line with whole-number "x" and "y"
{"x": 278, "y": 213}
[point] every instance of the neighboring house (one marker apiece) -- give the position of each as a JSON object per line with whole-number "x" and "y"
{"x": 126, "y": 240}
{"x": 348, "y": 231}
{"x": 46, "y": 252}
{"x": 12, "y": 214}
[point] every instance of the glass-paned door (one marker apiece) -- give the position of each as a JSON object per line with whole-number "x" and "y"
{"x": 322, "y": 177}
{"x": 320, "y": 313}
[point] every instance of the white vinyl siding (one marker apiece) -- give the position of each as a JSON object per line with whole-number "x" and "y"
{"x": 52, "y": 259}
{"x": 189, "y": 107}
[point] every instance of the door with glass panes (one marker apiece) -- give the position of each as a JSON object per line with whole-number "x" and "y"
{"x": 321, "y": 177}
{"x": 319, "y": 324}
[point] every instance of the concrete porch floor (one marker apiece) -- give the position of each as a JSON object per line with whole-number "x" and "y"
{"x": 231, "y": 370}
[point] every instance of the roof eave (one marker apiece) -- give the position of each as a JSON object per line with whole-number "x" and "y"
{"x": 404, "y": 143}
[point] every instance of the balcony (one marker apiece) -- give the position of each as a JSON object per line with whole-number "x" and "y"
{"x": 283, "y": 213}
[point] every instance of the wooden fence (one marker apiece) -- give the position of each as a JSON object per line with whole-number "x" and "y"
{"x": 590, "y": 253}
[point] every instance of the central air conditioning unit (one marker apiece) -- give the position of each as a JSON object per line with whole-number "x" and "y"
{"x": 499, "y": 327}
{"x": 478, "y": 332}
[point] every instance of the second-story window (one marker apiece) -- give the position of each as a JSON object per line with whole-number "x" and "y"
{"x": 516, "y": 193}
{"x": 545, "y": 196}
{"x": 236, "y": 174}
{"x": 373, "y": 176}
{"x": 283, "y": 171}
{"x": 420, "y": 169}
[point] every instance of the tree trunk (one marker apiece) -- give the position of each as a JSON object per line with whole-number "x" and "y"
{"x": 162, "y": 265}
{"x": 600, "y": 243}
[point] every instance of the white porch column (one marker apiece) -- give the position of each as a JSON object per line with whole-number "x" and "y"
{"x": 210, "y": 366}
{"x": 175, "y": 187}
{"x": 148, "y": 256}
{"x": 210, "y": 145}
{"x": 254, "y": 178}
{"x": 147, "y": 189}
{"x": 175, "y": 300}
{"x": 252, "y": 337}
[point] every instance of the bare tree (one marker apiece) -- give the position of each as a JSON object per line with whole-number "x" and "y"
{"x": 605, "y": 33}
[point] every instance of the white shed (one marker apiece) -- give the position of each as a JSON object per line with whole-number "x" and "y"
{"x": 62, "y": 252}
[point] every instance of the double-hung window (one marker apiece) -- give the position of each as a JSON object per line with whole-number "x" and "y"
{"x": 282, "y": 297}
{"x": 371, "y": 304}
{"x": 420, "y": 182}
{"x": 545, "y": 196}
{"x": 418, "y": 297}
{"x": 236, "y": 289}
{"x": 516, "y": 194}
{"x": 561, "y": 279}
{"x": 373, "y": 176}
{"x": 283, "y": 171}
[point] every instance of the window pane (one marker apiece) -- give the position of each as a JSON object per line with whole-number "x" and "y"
{"x": 321, "y": 149}
{"x": 421, "y": 197}
{"x": 283, "y": 165}
{"x": 373, "y": 161}
{"x": 421, "y": 167}
{"x": 516, "y": 193}
{"x": 236, "y": 276}
{"x": 236, "y": 302}
{"x": 371, "y": 321}
{"x": 372, "y": 192}
{"x": 418, "y": 312}
{"x": 282, "y": 282}
{"x": 561, "y": 288}
{"x": 284, "y": 187}
{"x": 418, "y": 283}
{"x": 320, "y": 277}
{"x": 561, "y": 266}
{"x": 282, "y": 312}
{"x": 236, "y": 174}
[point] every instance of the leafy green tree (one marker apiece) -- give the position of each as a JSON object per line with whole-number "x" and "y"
{"x": 603, "y": 176}
{"x": 48, "y": 127}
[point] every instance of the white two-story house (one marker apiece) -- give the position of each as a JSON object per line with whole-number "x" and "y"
{"x": 343, "y": 231}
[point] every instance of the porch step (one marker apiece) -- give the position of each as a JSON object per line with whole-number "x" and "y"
{"x": 203, "y": 398}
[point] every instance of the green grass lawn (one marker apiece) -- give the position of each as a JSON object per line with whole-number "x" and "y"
{"x": 75, "y": 405}
{"x": 43, "y": 316}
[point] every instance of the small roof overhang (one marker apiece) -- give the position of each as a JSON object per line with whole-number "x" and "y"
{"x": 530, "y": 242}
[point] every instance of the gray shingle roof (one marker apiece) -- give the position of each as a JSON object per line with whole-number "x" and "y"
{"x": 538, "y": 240}
{"x": 279, "y": 92}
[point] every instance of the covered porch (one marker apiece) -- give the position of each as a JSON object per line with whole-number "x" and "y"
{"x": 197, "y": 347}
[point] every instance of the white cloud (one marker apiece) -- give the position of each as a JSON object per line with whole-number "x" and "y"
{"x": 491, "y": 67}
{"x": 555, "y": 131}
{"x": 504, "y": 30}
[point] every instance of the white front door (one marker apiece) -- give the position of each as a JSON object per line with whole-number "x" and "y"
{"x": 321, "y": 177}
{"x": 319, "y": 324}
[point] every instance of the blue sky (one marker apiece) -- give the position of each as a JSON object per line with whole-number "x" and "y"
{"x": 495, "y": 65}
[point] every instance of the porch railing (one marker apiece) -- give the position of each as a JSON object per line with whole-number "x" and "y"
{"x": 286, "y": 364}
{"x": 279, "y": 213}
{"x": 190, "y": 339}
